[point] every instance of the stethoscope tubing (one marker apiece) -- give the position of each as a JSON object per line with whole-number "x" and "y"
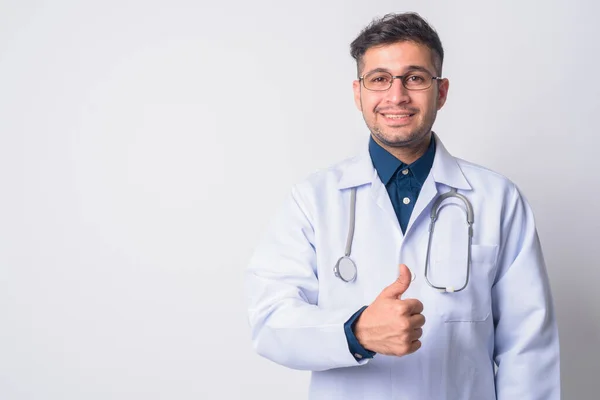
{"x": 346, "y": 270}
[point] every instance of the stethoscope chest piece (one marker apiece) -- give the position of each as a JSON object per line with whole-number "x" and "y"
{"x": 345, "y": 269}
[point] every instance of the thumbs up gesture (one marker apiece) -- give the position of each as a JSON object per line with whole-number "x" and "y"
{"x": 391, "y": 325}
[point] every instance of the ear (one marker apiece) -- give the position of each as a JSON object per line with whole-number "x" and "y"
{"x": 356, "y": 88}
{"x": 443, "y": 87}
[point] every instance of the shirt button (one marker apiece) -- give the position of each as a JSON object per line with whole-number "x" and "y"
{"x": 357, "y": 356}
{"x": 404, "y": 172}
{"x": 406, "y": 200}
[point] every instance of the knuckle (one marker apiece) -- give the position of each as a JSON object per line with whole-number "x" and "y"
{"x": 403, "y": 324}
{"x": 405, "y": 338}
{"x": 402, "y": 308}
{"x": 404, "y": 349}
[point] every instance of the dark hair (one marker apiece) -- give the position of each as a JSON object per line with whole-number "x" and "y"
{"x": 393, "y": 28}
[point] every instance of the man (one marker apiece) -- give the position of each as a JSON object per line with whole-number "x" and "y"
{"x": 467, "y": 315}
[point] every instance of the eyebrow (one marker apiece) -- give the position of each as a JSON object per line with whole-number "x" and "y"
{"x": 407, "y": 70}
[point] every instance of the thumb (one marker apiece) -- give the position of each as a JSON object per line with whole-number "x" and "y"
{"x": 400, "y": 285}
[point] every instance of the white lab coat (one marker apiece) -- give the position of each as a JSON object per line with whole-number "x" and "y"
{"x": 297, "y": 307}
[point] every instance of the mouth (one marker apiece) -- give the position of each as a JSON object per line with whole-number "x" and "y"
{"x": 397, "y": 118}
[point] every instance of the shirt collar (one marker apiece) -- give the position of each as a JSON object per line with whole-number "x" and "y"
{"x": 359, "y": 170}
{"x": 386, "y": 164}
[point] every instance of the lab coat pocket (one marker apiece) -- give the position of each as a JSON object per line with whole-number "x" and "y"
{"x": 472, "y": 304}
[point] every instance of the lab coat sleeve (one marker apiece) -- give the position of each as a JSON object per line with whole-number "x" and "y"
{"x": 282, "y": 289}
{"x": 526, "y": 337}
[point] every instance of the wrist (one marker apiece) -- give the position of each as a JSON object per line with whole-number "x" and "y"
{"x": 360, "y": 333}
{"x": 356, "y": 349}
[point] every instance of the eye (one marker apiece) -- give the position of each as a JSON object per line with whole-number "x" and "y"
{"x": 379, "y": 79}
{"x": 415, "y": 78}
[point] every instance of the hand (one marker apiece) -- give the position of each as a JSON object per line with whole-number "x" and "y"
{"x": 391, "y": 325}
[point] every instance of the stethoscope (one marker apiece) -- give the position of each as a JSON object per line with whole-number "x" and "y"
{"x": 345, "y": 268}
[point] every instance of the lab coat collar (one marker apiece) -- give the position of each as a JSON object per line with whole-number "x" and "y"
{"x": 358, "y": 171}
{"x": 445, "y": 170}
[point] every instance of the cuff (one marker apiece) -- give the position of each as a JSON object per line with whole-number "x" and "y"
{"x": 354, "y": 346}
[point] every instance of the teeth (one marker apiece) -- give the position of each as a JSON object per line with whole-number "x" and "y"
{"x": 396, "y": 116}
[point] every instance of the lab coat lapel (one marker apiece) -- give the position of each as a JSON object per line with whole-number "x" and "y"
{"x": 360, "y": 171}
{"x": 382, "y": 198}
{"x": 445, "y": 171}
{"x": 426, "y": 195}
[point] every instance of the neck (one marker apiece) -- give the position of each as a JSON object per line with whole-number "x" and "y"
{"x": 408, "y": 153}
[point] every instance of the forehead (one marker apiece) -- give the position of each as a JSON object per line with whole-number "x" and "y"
{"x": 397, "y": 57}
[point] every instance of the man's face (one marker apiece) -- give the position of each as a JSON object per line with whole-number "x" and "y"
{"x": 400, "y": 117}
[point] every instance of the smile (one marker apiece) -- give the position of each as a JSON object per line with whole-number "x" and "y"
{"x": 396, "y": 119}
{"x": 397, "y": 116}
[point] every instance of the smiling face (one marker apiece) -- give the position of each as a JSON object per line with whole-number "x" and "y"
{"x": 400, "y": 118}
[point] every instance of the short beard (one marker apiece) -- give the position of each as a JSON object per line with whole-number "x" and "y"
{"x": 413, "y": 140}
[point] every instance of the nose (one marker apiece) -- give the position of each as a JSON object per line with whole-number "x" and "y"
{"x": 398, "y": 94}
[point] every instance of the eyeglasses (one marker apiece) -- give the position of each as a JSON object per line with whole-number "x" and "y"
{"x": 380, "y": 81}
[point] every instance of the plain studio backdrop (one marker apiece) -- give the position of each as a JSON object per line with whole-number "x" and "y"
{"x": 144, "y": 145}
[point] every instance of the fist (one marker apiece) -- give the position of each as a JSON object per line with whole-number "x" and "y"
{"x": 390, "y": 325}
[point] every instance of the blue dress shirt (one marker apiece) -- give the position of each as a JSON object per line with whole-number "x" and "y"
{"x": 403, "y": 183}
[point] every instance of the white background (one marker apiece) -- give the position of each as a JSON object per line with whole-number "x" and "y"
{"x": 145, "y": 144}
